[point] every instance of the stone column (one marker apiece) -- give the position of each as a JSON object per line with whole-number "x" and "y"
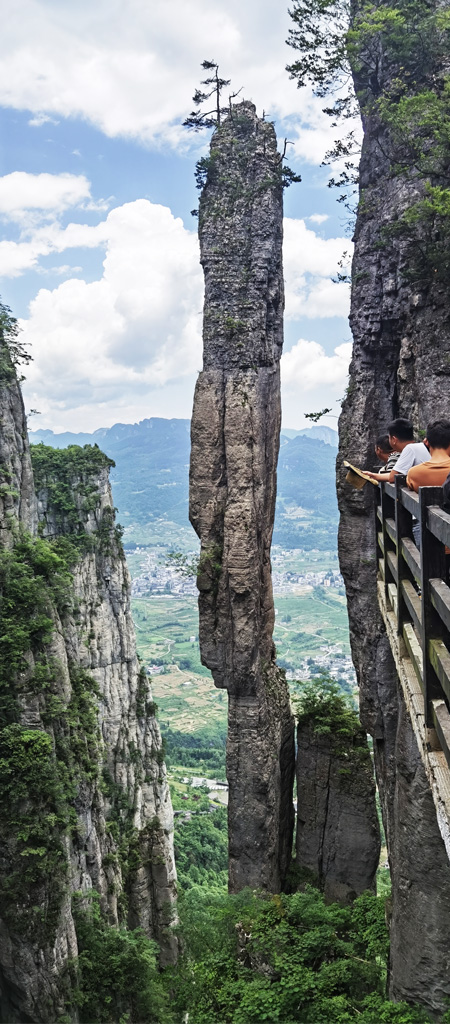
{"x": 235, "y": 442}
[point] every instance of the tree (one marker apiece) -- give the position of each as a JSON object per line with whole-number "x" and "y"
{"x": 199, "y": 119}
{"x": 12, "y": 350}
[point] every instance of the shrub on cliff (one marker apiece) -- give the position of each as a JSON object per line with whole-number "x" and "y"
{"x": 329, "y": 712}
{"x": 254, "y": 958}
{"x": 118, "y": 979}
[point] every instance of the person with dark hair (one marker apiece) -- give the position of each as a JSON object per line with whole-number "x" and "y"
{"x": 434, "y": 472}
{"x": 384, "y": 453}
{"x": 401, "y": 429}
{"x": 410, "y": 452}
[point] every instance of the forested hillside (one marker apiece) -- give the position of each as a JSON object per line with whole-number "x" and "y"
{"x": 151, "y": 477}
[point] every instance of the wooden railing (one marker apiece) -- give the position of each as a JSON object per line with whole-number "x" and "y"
{"x": 415, "y": 578}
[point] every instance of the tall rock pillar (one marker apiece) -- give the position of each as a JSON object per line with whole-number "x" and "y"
{"x": 235, "y": 442}
{"x": 400, "y": 318}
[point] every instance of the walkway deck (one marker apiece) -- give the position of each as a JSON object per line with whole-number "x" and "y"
{"x": 414, "y": 599}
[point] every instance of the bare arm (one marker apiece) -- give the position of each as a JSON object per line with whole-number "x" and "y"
{"x": 382, "y": 477}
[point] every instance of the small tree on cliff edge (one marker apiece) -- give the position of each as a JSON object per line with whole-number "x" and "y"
{"x": 199, "y": 119}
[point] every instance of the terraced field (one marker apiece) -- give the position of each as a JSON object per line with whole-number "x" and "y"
{"x": 310, "y": 624}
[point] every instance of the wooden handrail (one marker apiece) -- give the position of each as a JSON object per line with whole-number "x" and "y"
{"x": 413, "y": 542}
{"x": 410, "y": 501}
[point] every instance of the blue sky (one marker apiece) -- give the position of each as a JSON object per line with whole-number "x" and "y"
{"x": 98, "y": 256}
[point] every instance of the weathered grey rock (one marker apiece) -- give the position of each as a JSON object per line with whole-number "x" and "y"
{"x": 400, "y": 366}
{"x": 235, "y": 441}
{"x": 101, "y": 640}
{"x": 123, "y": 798}
{"x": 17, "y": 497}
{"x": 338, "y": 837}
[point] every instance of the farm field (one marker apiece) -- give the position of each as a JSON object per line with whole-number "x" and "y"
{"x": 310, "y": 627}
{"x": 310, "y": 623}
{"x": 188, "y": 702}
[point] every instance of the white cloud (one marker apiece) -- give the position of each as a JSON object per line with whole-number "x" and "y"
{"x": 312, "y": 380}
{"x": 39, "y": 119}
{"x": 37, "y": 202}
{"x": 21, "y": 192}
{"x": 113, "y": 348}
{"x": 131, "y": 69}
{"x": 110, "y": 344}
{"x": 318, "y": 218}
{"x": 306, "y": 366}
{"x": 18, "y": 257}
{"x": 309, "y": 263}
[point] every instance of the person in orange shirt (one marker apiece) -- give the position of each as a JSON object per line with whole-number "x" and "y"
{"x": 434, "y": 472}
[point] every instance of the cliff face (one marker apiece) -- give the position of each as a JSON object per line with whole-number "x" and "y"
{"x": 85, "y": 802}
{"x": 401, "y": 359}
{"x": 17, "y": 497}
{"x": 338, "y": 838}
{"x": 235, "y": 440}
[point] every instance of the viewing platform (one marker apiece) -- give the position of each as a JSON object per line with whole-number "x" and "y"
{"x": 413, "y": 552}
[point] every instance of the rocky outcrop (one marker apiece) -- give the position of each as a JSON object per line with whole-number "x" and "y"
{"x": 235, "y": 440}
{"x": 338, "y": 837}
{"x": 400, "y": 366}
{"x": 84, "y": 801}
{"x": 17, "y": 496}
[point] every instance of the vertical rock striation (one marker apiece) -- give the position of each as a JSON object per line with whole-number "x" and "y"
{"x": 84, "y": 801}
{"x": 400, "y": 320}
{"x": 338, "y": 837}
{"x": 235, "y": 441}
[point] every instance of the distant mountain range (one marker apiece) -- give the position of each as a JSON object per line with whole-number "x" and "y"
{"x": 326, "y": 434}
{"x": 150, "y": 479}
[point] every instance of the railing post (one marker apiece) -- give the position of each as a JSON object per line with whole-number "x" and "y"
{"x": 402, "y": 529}
{"x": 384, "y": 516}
{"x": 432, "y": 566}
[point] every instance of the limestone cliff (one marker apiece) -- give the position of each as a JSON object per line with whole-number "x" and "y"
{"x": 337, "y": 838}
{"x": 235, "y": 440}
{"x": 84, "y": 799}
{"x": 400, "y": 366}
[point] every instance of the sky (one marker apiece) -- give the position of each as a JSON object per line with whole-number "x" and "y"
{"x": 99, "y": 252}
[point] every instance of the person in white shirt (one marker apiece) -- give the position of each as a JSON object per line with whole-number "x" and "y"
{"x": 411, "y": 452}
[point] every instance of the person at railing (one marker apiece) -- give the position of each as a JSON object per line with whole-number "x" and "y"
{"x": 433, "y": 472}
{"x": 385, "y": 454}
{"x": 411, "y": 452}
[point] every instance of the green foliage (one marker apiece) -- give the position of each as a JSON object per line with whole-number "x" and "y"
{"x": 34, "y": 815}
{"x": 32, "y": 575}
{"x": 254, "y": 958}
{"x": 203, "y": 750}
{"x": 150, "y": 485}
{"x": 234, "y": 325}
{"x": 41, "y": 772}
{"x": 117, "y": 973}
{"x": 144, "y": 707}
{"x": 12, "y": 350}
{"x": 316, "y": 416}
{"x": 288, "y": 176}
{"x": 398, "y": 58}
{"x": 185, "y": 565}
{"x": 205, "y": 170}
{"x": 320, "y": 37}
{"x": 70, "y": 477}
{"x": 201, "y": 846}
{"x": 208, "y": 563}
{"x": 199, "y": 119}
{"x": 330, "y": 711}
